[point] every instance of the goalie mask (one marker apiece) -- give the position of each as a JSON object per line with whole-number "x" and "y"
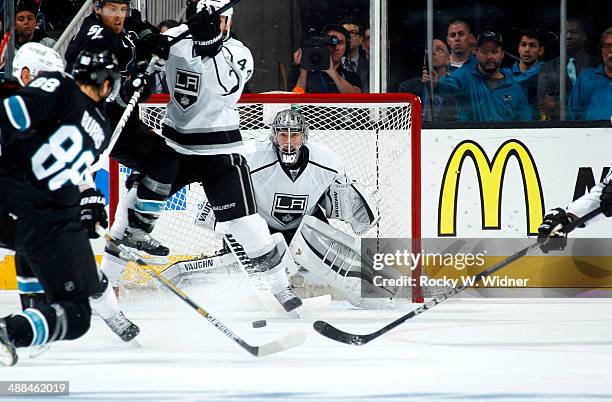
{"x": 37, "y": 58}
{"x": 289, "y": 135}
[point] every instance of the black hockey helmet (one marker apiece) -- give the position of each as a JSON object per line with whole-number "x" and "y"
{"x": 92, "y": 67}
{"x": 287, "y": 124}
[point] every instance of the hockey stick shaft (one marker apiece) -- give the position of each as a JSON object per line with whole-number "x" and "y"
{"x": 216, "y": 12}
{"x": 287, "y": 342}
{"x": 123, "y": 120}
{"x": 331, "y": 332}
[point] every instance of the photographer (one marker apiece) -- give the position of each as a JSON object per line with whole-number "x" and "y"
{"x": 312, "y": 75}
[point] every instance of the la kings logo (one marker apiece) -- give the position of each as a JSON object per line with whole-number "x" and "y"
{"x": 186, "y": 89}
{"x": 288, "y": 208}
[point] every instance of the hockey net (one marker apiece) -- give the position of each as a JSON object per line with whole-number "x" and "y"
{"x": 377, "y": 136}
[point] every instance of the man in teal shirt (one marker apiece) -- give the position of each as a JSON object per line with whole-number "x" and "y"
{"x": 484, "y": 93}
{"x": 526, "y": 70}
{"x": 591, "y": 97}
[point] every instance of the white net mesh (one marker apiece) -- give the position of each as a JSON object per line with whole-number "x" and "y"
{"x": 373, "y": 140}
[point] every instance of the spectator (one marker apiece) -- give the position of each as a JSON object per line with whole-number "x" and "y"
{"x": 591, "y": 97}
{"x": 336, "y": 78}
{"x": 484, "y": 93}
{"x": 460, "y": 39}
{"x": 435, "y": 107}
{"x": 356, "y": 60}
{"x": 167, "y": 24}
{"x": 526, "y": 70}
{"x": 25, "y": 25}
{"x": 577, "y": 60}
{"x": 366, "y": 44}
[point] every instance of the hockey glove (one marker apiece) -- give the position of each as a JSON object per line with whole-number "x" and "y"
{"x": 141, "y": 80}
{"x": 93, "y": 211}
{"x": 606, "y": 199}
{"x": 154, "y": 44}
{"x": 205, "y": 28}
{"x": 549, "y": 235}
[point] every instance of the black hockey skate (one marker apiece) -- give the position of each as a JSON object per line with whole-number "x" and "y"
{"x": 143, "y": 244}
{"x": 8, "y": 353}
{"x": 288, "y": 299}
{"x": 124, "y": 328}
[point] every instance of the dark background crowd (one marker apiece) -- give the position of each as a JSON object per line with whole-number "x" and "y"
{"x": 491, "y": 61}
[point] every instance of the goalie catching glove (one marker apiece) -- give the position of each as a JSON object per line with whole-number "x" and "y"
{"x": 93, "y": 211}
{"x": 350, "y": 202}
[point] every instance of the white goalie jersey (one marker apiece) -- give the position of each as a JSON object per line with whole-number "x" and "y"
{"x": 283, "y": 209}
{"x": 204, "y": 94}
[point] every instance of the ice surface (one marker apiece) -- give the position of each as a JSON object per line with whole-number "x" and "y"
{"x": 466, "y": 350}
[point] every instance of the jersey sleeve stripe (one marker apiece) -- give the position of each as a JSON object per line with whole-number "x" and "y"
{"x": 17, "y": 112}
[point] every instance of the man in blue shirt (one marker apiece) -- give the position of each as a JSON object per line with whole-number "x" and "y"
{"x": 483, "y": 93}
{"x": 526, "y": 70}
{"x": 591, "y": 97}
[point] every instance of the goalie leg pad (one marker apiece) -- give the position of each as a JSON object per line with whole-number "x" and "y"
{"x": 201, "y": 269}
{"x": 329, "y": 257}
{"x": 332, "y": 257}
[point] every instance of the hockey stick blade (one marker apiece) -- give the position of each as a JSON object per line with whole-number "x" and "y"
{"x": 288, "y": 341}
{"x": 338, "y": 335}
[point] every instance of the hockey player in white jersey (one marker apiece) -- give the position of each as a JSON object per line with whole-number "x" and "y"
{"x": 31, "y": 60}
{"x": 206, "y": 74}
{"x": 554, "y": 220}
{"x": 299, "y": 185}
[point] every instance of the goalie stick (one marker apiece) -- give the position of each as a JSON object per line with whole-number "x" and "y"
{"x": 338, "y": 335}
{"x": 284, "y": 343}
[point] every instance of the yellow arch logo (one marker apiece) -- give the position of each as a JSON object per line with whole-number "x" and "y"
{"x": 491, "y": 179}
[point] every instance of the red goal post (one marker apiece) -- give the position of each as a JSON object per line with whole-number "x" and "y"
{"x": 378, "y": 137}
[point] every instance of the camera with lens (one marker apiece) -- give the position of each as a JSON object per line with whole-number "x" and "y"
{"x": 315, "y": 52}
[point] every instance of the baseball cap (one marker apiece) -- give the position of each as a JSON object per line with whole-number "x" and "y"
{"x": 491, "y": 36}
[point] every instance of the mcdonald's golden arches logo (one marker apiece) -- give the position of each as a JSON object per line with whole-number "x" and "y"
{"x": 490, "y": 178}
